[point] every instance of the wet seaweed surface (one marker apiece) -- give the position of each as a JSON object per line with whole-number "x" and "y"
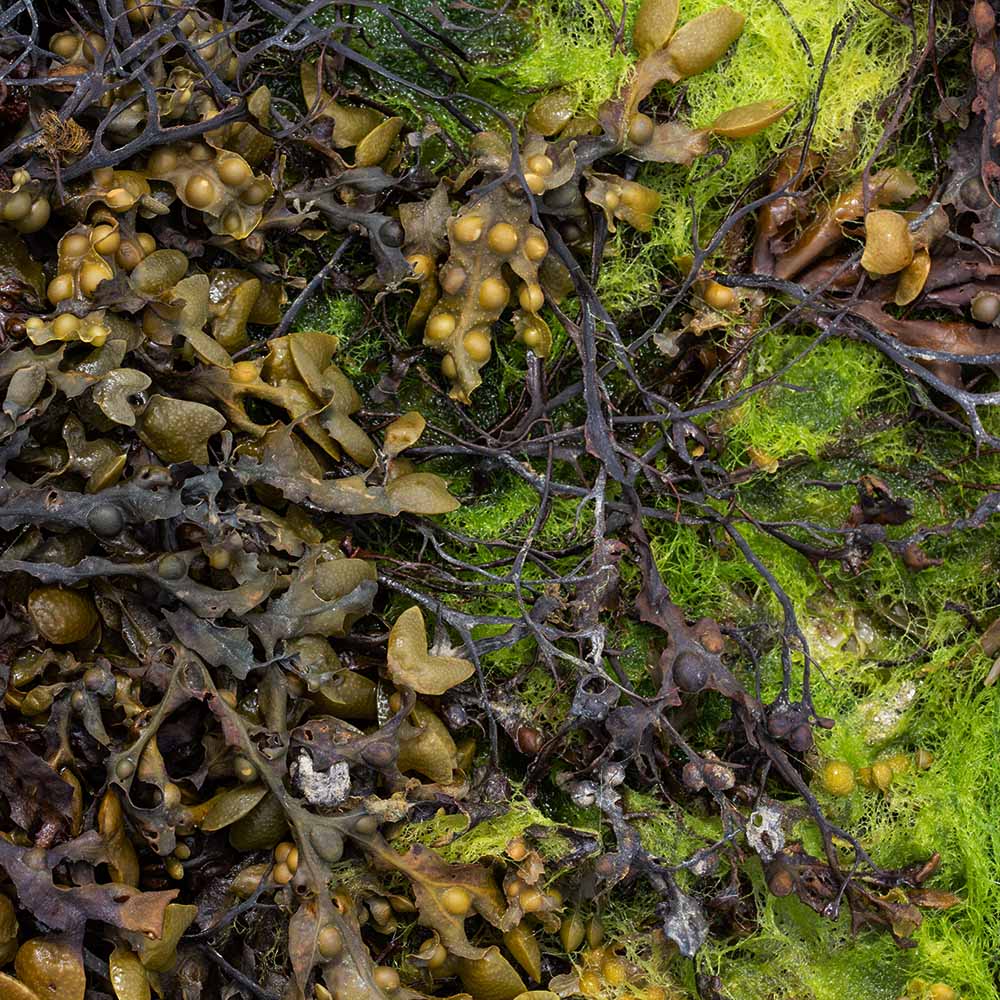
{"x": 499, "y": 501}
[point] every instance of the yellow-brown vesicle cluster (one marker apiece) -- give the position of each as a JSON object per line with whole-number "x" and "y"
{"x": 496, "y": 252}
{"x": 494, "y": 258}
{"x": 218, "y": 183}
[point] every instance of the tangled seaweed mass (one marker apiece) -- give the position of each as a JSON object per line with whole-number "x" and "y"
{"x": 498, "y": 502}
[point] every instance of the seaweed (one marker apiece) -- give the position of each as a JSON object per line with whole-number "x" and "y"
{"x": 498, "y": 501}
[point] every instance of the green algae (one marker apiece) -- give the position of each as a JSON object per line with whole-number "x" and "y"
{"x": 575, "y": 50}
{"x": 876, "y": 633}
{"x": 455, "y": 839}
{"x": 837, "y": 413}
{"x": 820, "y": 400}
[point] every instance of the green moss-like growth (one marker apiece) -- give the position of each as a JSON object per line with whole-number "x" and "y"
{"x": 454, "y": 840}
{"x": 899, "y": 672}
{"x": 361, "y": 342}
{"x": 817, "y": 401}
{"x": 771, "y": 60}
{"x": 575, "y": 50}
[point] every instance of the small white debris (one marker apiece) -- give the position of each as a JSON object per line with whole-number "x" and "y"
{"x": 764, "y": 833}
{"x": 321, "y": 788}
